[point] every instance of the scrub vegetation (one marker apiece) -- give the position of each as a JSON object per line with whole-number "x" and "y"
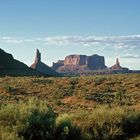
{"x": 70, "y": 108}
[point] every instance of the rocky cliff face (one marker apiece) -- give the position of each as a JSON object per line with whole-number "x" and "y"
{"x": 59, "y": 64}
{"x": 10, "y": 66}
{"x": 96, "y": 62}
{"x": 80, "y": 63}
{"x": 75, "y": 60}
{"x": 41, "y": 67}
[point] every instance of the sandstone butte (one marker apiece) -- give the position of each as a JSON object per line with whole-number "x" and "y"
{"x": 80, "y": 63}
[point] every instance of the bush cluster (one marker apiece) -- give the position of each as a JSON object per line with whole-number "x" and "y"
{"x": 34, "y": 120}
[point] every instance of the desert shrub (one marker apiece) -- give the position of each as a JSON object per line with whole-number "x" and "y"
{"x": 108, "y": 88}
{"x": 72, "y": 85}
{"x": 40, "y": 126}
{"x": 65, "y": 129}
{"x": 6, "y": 134}
{"x": 121, "y": 95}
{"x": 103, "y": 124}
{"x": 137, "y": 84}
{"x": 43, "y": 81}
{"x": 34, "y": 120}
{"x": 27, "y": 120}
{"x": 135, "y": 138}
{"x": 73, "y": 81}
{"x": 8, "y": 88}
{"x": 131, "y": 124}
{"x": 99, "y": 80}
{"x": 68, "y": 91}
{"x": 102, "y": 98}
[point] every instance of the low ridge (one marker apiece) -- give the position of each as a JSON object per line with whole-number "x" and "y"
{"x": 12, "y": 67}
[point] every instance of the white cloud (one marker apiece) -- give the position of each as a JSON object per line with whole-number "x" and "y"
{"x": 118, "y": 42}
{"x": 135, "y": 56}
{"x": 131, "y": 42}
{"x": 7, "y": 39}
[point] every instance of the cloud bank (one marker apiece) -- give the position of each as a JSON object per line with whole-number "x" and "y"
{"x": 125, "y": 47}
{"x": 133, "y": 56}
{"x": 121, "y": 42}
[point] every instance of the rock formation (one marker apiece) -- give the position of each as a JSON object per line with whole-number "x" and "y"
{"x": 75, "y": 60}
{"x": 96, "y": 62}
{"x": 80, "y": 63}
{"x": 41, "y": 67}
{"x": 117, "y": 66}
{"x": 10, "y": 66}
{"x": 38, "y": 56}
{"x": 57, "y": 65}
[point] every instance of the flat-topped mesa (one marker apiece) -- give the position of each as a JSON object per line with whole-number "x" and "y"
{"x": 38, "y": 56}
{"x": 80, "y": 63}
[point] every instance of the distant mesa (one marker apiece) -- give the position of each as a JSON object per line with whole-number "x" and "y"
{"x": 83, "y": 65}
{"x": 42, "y": 67}
{"x": 72, "y": 65}
{"x": 80, "y": 63}
{"x": 10, "y": 66}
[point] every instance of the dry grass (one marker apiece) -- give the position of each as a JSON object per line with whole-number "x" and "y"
{"x": 75, "y": 93}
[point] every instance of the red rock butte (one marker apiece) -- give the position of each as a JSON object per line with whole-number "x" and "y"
{"x": 117, "y": 66}
{"x": 80, "y": 63}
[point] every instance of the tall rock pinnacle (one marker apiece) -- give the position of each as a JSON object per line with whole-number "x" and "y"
{"x": 38, "y": 56}
{"x": 117, "y": 66}
{"x": 42, "y": 67}
{"x": 117, "y": 62}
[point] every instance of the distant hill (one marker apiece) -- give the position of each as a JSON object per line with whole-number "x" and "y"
{"x": 42, "y": 67}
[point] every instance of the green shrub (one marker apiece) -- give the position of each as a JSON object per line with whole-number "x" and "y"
{"x": 6, "y": 134}
{"x": 40, "y": 126}
{"x": 73, "y": 81}
{"x": 131, "y": 124}
{"x": 135, "y": 138}
{"x": 8, "y": 88}
{"x": 34, "y": 120}
{"x": 65, "y": 129}
{"x": 99, "y": 80}
{"x": 43, "y": 81}
{"x": 103, "y": 124}
{"x": 27, "y": 120}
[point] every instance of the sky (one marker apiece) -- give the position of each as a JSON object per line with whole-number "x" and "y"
{"x": 58, "y": 28}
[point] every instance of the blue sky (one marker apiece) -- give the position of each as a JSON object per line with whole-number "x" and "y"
{"x": 62, "y": 27}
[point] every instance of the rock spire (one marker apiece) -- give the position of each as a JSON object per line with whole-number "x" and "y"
{"x": 38, "y": 56}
